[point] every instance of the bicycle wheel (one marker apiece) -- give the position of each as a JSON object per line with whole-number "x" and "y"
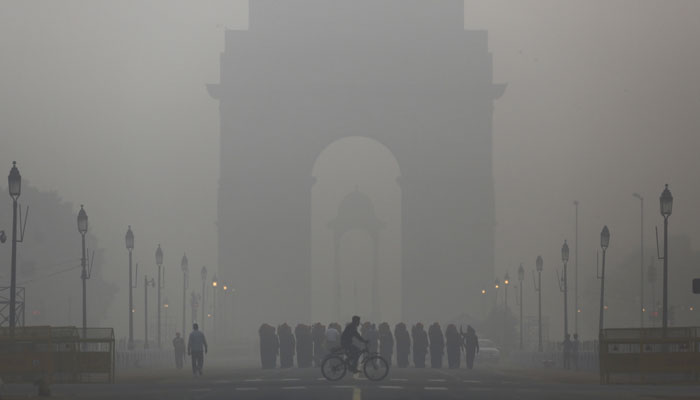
{"x": 333, "y": 368}
{"x": 376, "y": 368}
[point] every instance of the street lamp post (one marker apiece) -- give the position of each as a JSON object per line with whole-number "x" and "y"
{"x": 538, "y": 288}
{"x": 83, "y": 228}
{"x": 576, "y": 269}
{"x": 641, "y": 261}
{"x": 184, "y": 264}
{"x": 214, "y": 317}
{"x": 14, "y": 184}
{"x": 146, "y": 284}
{"x": 666, "y": 206}
{"x": 565, "y": 260}
{"x": 604, "y": 243}
{"x": 129, "y": 239}
{"x": 521, "y": 277}
{"x": 204, "y": 287}
{"x": 161, "y": 284}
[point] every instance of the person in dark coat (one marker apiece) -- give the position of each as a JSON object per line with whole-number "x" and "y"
{"x": 471, "y": 346}
{"x": 420, "y": 345}
{"x": 437, "y": 345}
{"x": 386, "y": 342}
{"x": 287, "y": 345}
{"x": 179, "y": 348}
{"x": 403, "y": 344}
{"x": 269, "y": 346}
{"x": 453, "y": 343}
{"x": 318, "y": 336}
{"x": 304, "y": 345}
{"x": 372, "y": 337}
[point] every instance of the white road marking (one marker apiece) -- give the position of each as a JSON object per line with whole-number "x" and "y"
{"x": 243, "y": 389}
{"x": 224, "y": 381}
{"x": 294, "y": 387}
{"x": 437, "y": 380}
{"x": 290, "y": 379}
{"x": 435, "y": 388}
{"x": 201, "y": 390}
{"x": 320, "y": 379}
{"x": 471, "y": 381}
{"x": 254, "y": 380}
{"x": 391, "y": 387}
{"x": 399, "y": 380}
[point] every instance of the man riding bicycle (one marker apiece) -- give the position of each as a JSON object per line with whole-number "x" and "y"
{"x": 353, "y": 352}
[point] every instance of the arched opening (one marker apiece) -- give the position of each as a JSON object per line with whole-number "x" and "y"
{"x": 356, "y": 232}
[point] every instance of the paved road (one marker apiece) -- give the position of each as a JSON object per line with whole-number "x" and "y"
{"x": 250, "y": 383}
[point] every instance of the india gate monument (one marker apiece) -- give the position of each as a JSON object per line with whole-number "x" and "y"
{"x": 316, "y": 83}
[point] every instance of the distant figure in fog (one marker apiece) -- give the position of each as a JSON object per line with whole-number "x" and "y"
{"x": 420, "y": 345}
{"x": 453, "y": 343}
{"x": 269, "y": 346}
{"x": 196, "y": 348}
{"x": 471, "y": 345}
{"x": 287, "y": 345}
{"x": 347, "y": 338}
{"x": 574, "y": 350}
{"x": 568, "y": 347}
{"x": 318, "y": 336}
{"x": 403, "y": 344}
{"x": 373, "y": 337}
{"x": 179, "y": 348}
{"x": 332, "y": 337}
{"x": 304, "y": 346}
{"x": 386, "y": 342}
{"x": 437, "y": 345}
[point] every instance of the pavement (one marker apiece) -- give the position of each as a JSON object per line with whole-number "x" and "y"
{"x": 252, "y": 383}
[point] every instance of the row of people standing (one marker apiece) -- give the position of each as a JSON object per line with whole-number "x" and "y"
{"x": 310, "y": 344}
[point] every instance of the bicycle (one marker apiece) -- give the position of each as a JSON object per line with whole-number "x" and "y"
{"x": 336, "y": 365}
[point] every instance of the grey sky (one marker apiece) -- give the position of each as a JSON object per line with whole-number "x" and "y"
{"x": 105, "y": 103}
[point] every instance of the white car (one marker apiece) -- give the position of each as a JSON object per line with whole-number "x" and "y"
{"x": 488, "y": 352}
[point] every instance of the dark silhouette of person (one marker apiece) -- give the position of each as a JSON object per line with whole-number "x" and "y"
{"x": 386, "y": 342}
{"x": 420, "y": 345}
{"x": 568, "y": 347}
{"x": 437, "y": 345}
{"x": 471, "y": 346}
{"x": 304, "y": 344}
{"x": 196, "y": 348}
{"x": 287, "y": 345}
{"x": 269, "y": 346}
{"x": 373, "y": 337}
{"x": 403, "y": 344}
{"x": 574, "y": 350}
{"x": 453, "y": 345}
{"x": 179, "y": 349}
{"x": 346, "y": 341}
{"x": 318, "y": 336}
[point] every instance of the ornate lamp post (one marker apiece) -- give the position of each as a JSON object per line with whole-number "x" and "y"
{"x": 146, "y": 283}
{"x": 521, "y": 277}
{"x": 83, "y": 228}
{"x": 14, "y": 184}
{"x": 604, "y": 243}
{"x": 161, "y": 284}
{"x": 204, "y": 289}
{"x": 214, "y": 317}
{"x": 565, "y": 260}
{"x": 130, "y": 246}
{"x": 184, "y": 264}
{"x": 666, "y": 206}
{"x": 538, "y": 289}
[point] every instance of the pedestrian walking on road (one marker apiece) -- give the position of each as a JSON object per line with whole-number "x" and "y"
{"x": 196, "y": 348}
{"x": 403, "y": 344}
{"x": 287, "y": 345}
{"x": 420, "y": 345}
{"x": 179, "y": 348}
{"x": 437, "y": 345}
{"x": 454, "y": 346}
{"x": 471, "y": 345}
{"x": 386, "y": 342}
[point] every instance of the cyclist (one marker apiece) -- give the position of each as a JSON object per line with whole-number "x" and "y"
{"x": 346, "y": 338}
